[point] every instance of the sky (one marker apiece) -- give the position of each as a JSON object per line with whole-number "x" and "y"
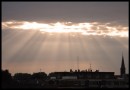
{"x": 59, "y": 36}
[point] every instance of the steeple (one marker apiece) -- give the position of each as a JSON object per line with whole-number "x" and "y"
{"x": 122, "y": 69}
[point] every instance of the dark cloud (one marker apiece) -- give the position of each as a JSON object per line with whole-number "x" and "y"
{"x": 66, "y": 11}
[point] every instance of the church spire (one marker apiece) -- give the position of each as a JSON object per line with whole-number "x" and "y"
{"x": 122, "y": 64}
{"x": 122, "y": 69}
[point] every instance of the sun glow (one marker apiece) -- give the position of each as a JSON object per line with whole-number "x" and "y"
{"x": 93, "y": 28}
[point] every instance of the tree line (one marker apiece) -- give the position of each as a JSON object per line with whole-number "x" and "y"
{"x": 23, "y": 80}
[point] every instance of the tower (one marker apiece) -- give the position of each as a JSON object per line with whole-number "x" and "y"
{"x": 77, "y": 63}
{"x": 122, "y": 69}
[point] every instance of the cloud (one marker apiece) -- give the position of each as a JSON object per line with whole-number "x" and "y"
{"x": 66, "y": 11}
{"x": 85, "y": 28}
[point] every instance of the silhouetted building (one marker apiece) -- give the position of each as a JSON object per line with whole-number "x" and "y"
{"x": 90, "y": 79}
{"x": 82, "y": 75}
{"x": 86, "y": 80}
{"x": 122, "y": 69}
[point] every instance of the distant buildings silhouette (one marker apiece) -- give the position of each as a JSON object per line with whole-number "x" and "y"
{"x": 73, "y": 79}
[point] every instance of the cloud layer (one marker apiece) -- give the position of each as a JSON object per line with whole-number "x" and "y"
{"x": 66, "y": 11}
{"x": 92, "y": 28}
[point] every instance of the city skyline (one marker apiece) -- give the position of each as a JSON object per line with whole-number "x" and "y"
{"x": 49, "y": 36}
